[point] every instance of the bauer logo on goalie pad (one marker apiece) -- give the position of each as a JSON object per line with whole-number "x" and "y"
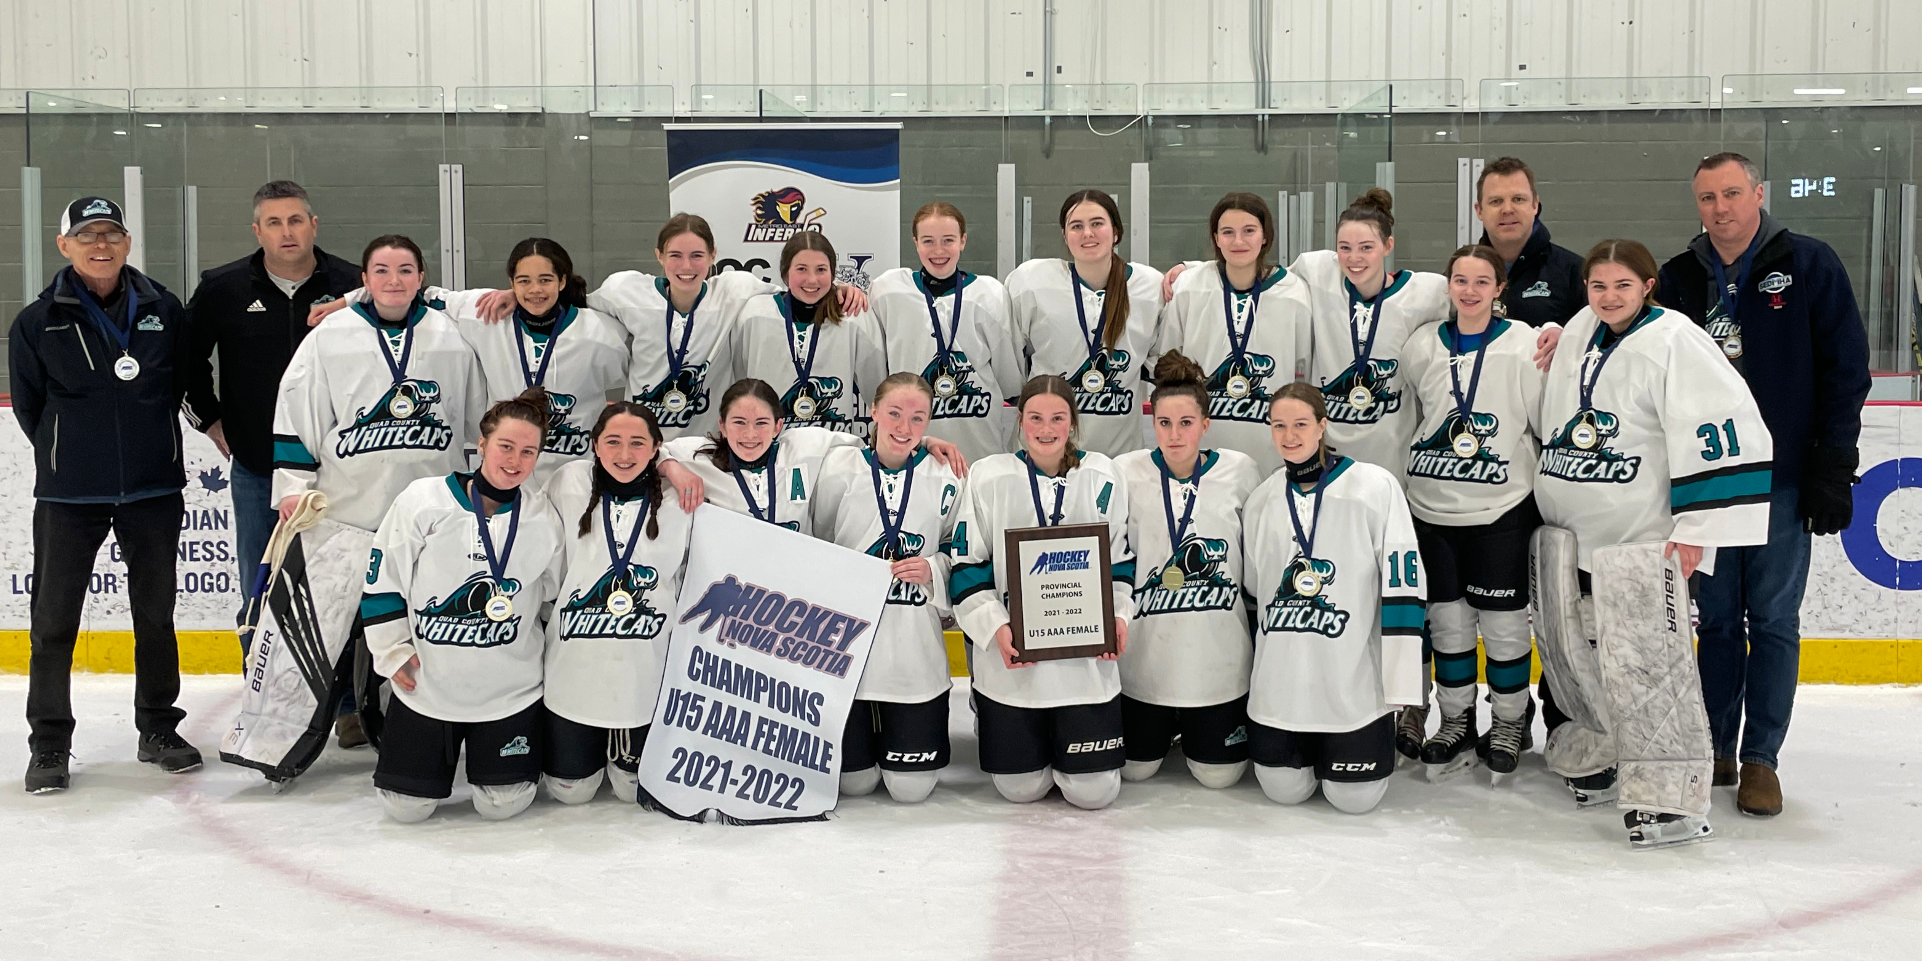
{"x": 461, "y": 620}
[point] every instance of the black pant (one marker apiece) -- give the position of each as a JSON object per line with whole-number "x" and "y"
{"x": 66, "y": 538}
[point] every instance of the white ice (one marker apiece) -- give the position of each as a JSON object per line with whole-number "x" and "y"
{"x": 134, "y": 863}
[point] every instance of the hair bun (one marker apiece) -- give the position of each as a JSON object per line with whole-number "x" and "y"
{"x": 537, "y": 398}
{"x": 1378, "y": 198}
{"x": 1175, "y": 368}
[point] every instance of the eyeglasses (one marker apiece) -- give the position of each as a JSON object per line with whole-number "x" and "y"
{"x": 101, "y": 236}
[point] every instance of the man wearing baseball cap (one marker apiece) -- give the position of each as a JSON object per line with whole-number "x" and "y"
{"x": 93, "y": 386}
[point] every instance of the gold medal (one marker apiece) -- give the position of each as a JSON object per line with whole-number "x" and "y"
{"x": 674, "y": 402}
{"x": 620, "y": 603}
{"x": 1172, "y": 578}
{"x": 944, "y": 386}
{"x": 1466, "y": 445}
{"x": 1584, "y": 435}
{"x": 1093, "y": 382}
{"x": 1238, "y": 387}
{"x": 500, "y": 607}
{"x": 1361, "y": 398}
{"x": 401, "y": 406}
{"x": 1307, "y": 583}
{"x": 804, "y": 407}
{"x": 1732, "y": 347}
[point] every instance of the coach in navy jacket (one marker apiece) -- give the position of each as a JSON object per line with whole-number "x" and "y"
{"x": 1781, "y": 307}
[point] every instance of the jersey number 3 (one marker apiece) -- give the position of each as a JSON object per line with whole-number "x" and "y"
{"x": 1712, "y": 444}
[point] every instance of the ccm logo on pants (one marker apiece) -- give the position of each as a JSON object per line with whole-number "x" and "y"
{"x": 911, "y": 757}
{"x": 1352, "y": 768}
{"x": 1091, "y": 747}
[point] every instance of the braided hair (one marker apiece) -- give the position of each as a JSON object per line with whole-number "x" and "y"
{"x": 651, "y": 475}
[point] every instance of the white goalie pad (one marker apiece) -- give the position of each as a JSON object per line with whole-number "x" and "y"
{"x": 1568, "y": 656}
{"x": 1649, "y": 672}
{"x": 310, "y": 603}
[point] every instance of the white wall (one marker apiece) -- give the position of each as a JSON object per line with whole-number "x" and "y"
{"x": 60, "y": 44}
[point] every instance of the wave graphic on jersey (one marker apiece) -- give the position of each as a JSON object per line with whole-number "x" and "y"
{"x": 461, "y": 619}
{"x": 1112, "y": 364}
{"x": 1375, "y": 376}
{"x": 1290, "y": 611}
{"x": 690, "y": 384}
{"x": 1435, "y": 456}
{"x": 402, "y": 419}
{"x": 1599, "y": 465}
{"x": 1251, "y": 407}
{"x": 1204, "y": 586}
{"x": 902, "y": 592}
{"x": 586, "y": 615}
{"x": 956, "y": 375}
{"x": 562, "y": 436}
{"x": 819, "y": 394}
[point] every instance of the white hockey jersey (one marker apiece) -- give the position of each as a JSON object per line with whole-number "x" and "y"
{"x": 981, "y": 369}
{"x": 1188, "y": 645}
{"x": 1053, "y": 339}
{"x": 909, "y": 660}
{"x": 347, "y": 426}
{"x": 1505, "y": 421}
{"x": 1340, "y": 647}
{"x": 1204, "y": 327}
{"x": 605, "y": 660}
{"x": 678, "y": 365}
{"x": 787, "y": 475}
{"x": 1380, "y": 433}
{"x": 999, "y": 498}
{"x": 843, "y": 363}
{"x": 1675, "y": 448}
{"x": 427, "y": 593}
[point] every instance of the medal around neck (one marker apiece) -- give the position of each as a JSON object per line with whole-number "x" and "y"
{"x": 1093, "y": 382}
{"x": 1306, "y": 582}
{"x": 1584, "y": 435}
{"x": 1732, "y": 347}
{"x": 1466, "y": 445}
{"x": 944, "y": 386}
{"x": 620, "y": 603}
{"x": 674, "y": 402}
{"x": 126, "y": 368}
{"x": 1172, "y": 578}
{"x": 1361, "y": 398}
{"x": 500, "y": 607}
{"x": 805, "y": 407}
{"x": 1238, "y": 387}
{"x": 401, "y": 406}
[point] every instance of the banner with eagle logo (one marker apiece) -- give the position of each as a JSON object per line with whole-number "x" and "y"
{"x": 759, "y": 184}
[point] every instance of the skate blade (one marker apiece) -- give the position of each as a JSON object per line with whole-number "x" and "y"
{"x": 280, "y": 786}
{"x": 1707, "y": 833}
{"x": 1438, "y": 773}
{"x": 1497, "y": 778}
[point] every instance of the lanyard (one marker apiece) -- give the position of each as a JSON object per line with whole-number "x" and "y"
{"x": 891, "y": 532}
{"x": 1176, "y": 531}
{"x": 1238, "y": 344}
{"x": 942, "y": 348}
{"x": 1364, "y": 348}
{"x": 747, "y": 495}
{"x": 496, "y": 561}
{"x": 622, "y": 557}
{"x": 1732, "y": 292}
{"x": 397, "y": 368}
{"x": 122, "y": 336}
{"x": 1305, "y": 540}
{"x": 803, "y": 370}
{"x": 1034, "y": 488}
{"x": 1464, "y": 404}
{"x": 536, "y": 376}
{"x": 677, "y": 358}
{"x": 1589, "y": 375}
{"x": 1091, "y": 337}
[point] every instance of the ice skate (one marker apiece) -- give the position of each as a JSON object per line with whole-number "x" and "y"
{"x": 1592, "y": 789}
{"x": 1410, "y": 728}
{"x": 1648, "y": 830}
{"x": 1450, "y": 751}
{"x": 1502, "y": 747}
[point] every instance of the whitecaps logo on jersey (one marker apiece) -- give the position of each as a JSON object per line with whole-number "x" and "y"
{"x": 1251, "y": 406}
{"x": 586, "y": 615}
{"x": 562, "y": 436}
{"x": 690, "y": 384}
{"x": 816, "y": 397}
{"x": 1375, "y": 377}
{"x": 1435, "y": 455}
{"x": 1562, "y": 459}
{"x": 461, "y": 619}
{"x": 1290, "y": 611}
{"x": 1204, "y": 585}
{"x": 402, "y": 419}
{"x": 1111, "y": 364}
{"x": 902, "y": 592}
{"x": 956, "y": 375}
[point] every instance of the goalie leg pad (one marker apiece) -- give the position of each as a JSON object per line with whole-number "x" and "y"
{"x": 1569, "y": 663}
{"x": 1649, "y": 673}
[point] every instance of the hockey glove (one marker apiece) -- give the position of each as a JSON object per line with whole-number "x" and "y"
{"x": 1827, "y": 504}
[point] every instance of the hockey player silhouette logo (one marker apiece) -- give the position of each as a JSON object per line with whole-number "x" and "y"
{"x": 677, "y": 400}
{"x": 902, "y": 592}
{"x": 1234, "y": 389}
{"x": 1097, "y": 383}
{"x": 1191, "y": 580}
{"x": 955, "y": 394}
{"x": 1369, "y": 384}
{"x": 589, "y": 614}
{"x": 1439, "y": 454}
{"x": 777, "y": 216}
{"x": 1301, "y": 603}
{"x": 562, "y": 436}
{"x": 402, "y": 419}
{"x": 460, "y": 619}
{"x": 811, "y": 403}
{"x": 1579, "y": 451}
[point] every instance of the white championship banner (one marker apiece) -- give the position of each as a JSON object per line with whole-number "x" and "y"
{"x": 759, "y": 184}
{"x": 762, "y": 667}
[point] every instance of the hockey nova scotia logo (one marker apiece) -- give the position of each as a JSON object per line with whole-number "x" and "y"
{"x": 1375, "y": 376}
{"x": 1204, "y": 586}
{"x": 1562, "y": 458}
{"x": 677, "y": 400}
{"x": 1290, "y": 611}
{"x": 586, "y": 615}
{"x": 562, "y": 436}
{"x": 777, "y": 216}
{"x": 902, "y": 592}
{"x": 1103, "y": 371}
{"x": 1252, "y": 405}
{"x": 956, "y": 377}
{"x": 402, "y": 419}
{"x": 777, "y": 625}
{"x": 460, "y": 620}
{"x": 1435, "y": 456}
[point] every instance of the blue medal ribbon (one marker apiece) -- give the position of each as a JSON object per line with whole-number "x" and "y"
{"x": 397, "y": 368}
{"x": 1034, "y": 488}
{"x": 1464, "y": 403}
{"x": 1364, "y": 349}
{"x": 943, "y": 347}
{"x": 1589, "y": 376}
{"x": 803, "y": 370}
{"x": 1176, "y": 531}
{"x": 1238, "y": 344}
{"x": 891, "y": 531}
{"x": 121, "y": 336}
{"x": 748, "y": 496}
{"x": 1731, "y": 293}
{"x": 1091, "y": 337}
{"x": 536, "y": 376}
{"x": 496, "y": 560}
{"x": 1305, "y": 539}
{"x": 677, "y": 358}
{"x": 622, "y": 557}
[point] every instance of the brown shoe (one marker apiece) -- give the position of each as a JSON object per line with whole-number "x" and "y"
{"x": 1725, "y": 772}
{"x": 1761, "y": 793}
{"x": 348, "y": 732}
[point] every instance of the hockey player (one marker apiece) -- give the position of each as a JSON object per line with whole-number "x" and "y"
{"x": 1335, "y": 576}
{"x": 891, "y": 499}
{"x": 1186, "y": 670}
{"x": 1471, "y": 469}
{"x": 1092, "y": 319}
{"x": 952, "y": 327}
{"x": 817, "y": 359}
{"x": 1245, "y": 321}
{"x": 461, "y": 639}
{"x": 625, "y": 549}
{"x": 1053, "y": 722}
{"x": 1652, "y": 436}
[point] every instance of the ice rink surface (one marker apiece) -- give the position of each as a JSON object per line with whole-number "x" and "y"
{"x": 133, "y": 863}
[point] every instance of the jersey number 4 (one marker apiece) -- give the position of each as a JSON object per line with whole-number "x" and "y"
{"x": 1401, "y": 567}
{"x": 1712, "y": 444}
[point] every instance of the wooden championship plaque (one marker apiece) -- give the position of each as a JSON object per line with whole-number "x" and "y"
{"x": 1060, "y": 592}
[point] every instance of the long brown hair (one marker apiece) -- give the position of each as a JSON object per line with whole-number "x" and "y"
{"x": 829, "y": 309}
{"x": 1630, "y": 254}
{"x": 1249, "y": 204}
{"x": 1057, "y": 386}
{"x": 1309, "y": 394}
{"x": 651, "y": 475}
{"x": 1114, "y": 301}
{"x": 722, "y": 455}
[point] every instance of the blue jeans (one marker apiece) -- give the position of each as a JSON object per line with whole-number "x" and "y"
{"x": 254, "y": 520}
{"x": 1754, "y": 672}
